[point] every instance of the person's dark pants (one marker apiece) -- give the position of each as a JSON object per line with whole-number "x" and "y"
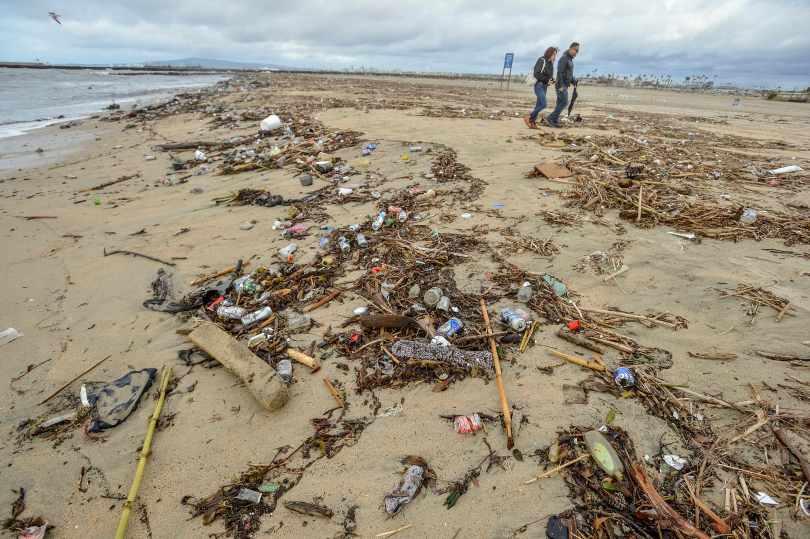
{"x": 562, "y": 102}
{"x": 540, "y": 90}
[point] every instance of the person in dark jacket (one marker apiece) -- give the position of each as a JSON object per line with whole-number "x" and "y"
{"x": 544, "y": 75}
{"x": 565, "y": 79}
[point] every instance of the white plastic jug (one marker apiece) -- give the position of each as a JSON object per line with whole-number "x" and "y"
{"x": 271, "y": 123}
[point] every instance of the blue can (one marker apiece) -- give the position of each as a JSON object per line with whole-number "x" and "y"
{"x": 450, "y": 328}
{"x": 624, "y": 377}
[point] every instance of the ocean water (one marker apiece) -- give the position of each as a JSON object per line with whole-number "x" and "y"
{"x": 32, "y": 98}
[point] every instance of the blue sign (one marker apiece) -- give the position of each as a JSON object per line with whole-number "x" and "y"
{"x": 507, "y": 60}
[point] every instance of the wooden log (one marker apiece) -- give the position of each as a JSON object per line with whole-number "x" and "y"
{"x": 261, "y": 379}
{"x": 582, "y": 362}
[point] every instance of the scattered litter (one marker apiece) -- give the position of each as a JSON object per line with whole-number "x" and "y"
{"x": 406, "y": 491}
{"x": 116, "y": 400}
{"x": 675, "y": 462}
{"x": 786, "y": 170}
{"x": 271, "y": 123}
{"x": 552, "y": 170}
{"x": 765, "y": 499}
{"x": 8, "y": 335}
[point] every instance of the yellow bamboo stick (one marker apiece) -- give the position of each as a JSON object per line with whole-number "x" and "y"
{"x": 165, "y": 376}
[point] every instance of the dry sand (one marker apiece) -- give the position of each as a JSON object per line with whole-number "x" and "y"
{"x": 76, "y": 307}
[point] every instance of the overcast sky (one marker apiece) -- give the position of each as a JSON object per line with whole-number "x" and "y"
{"x": 752, "y": 41}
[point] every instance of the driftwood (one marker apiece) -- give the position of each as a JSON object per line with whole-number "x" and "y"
{"x": 798, "y": 446}
{"x": 113, "y": 182}
{"x": 133, "y": 253}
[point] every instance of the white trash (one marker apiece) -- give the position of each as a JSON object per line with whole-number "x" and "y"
{"x": 271, "y": 123}
{"x": 8, "y": 335}
{"x": 199, "y": 155}
{"x": 764, "y": 499}
{"x": 786, "y": 170}
{"x": 674, "y": 461}
{"x": 345, "y": 191}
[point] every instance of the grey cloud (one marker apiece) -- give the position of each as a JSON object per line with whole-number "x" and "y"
{"x": 757, "y": 38}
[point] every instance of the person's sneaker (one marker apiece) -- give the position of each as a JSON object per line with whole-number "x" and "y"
{"x": 553, "y": 124}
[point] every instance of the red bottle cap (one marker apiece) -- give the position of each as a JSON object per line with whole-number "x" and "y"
{"x": 574, "y": 325}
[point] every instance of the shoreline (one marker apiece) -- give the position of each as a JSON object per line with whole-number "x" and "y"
{"x": 76, "y": 306}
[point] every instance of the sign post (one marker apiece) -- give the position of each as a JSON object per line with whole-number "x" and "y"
{"x": 508, "y": 59}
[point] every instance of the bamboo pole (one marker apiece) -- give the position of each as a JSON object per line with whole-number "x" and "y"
{"x": 557, "y": 469}
{"x": 334, "y": 392}
{"x": 582, "y": 362}
{"x": 166, "y": 376}
{"x": 507, "y": 414}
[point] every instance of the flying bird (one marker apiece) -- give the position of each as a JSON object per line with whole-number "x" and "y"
{"x": 55, "y": 17}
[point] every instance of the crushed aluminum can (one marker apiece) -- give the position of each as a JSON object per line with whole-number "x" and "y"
{"x": 624, "y": 377}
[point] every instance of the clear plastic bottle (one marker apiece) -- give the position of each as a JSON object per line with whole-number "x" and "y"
{"x": 285, "y": 252}
{"x": 749, "y": 216}
{"x": 344, "y": 245}
{"x": 296, "y": 322}
{"x": 402, "y": 216}
{"x": 524, "y": 293}
{"x": 378, "y": 221}
{"x": 361, "y": 240}
{"x": 414, "y": 291}
{"x": 432, "y": 296}
{"x": 559, "y": 288}
{"x": 517, "y": 319}
{"x": 443, "y": 304}
{"x": 284, "y": 370}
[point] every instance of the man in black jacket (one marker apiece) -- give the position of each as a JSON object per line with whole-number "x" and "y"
{"x": 565, "y": 78}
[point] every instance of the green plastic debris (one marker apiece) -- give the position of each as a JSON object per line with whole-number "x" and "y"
{"x": 603, "y": 453}
{"x": 269, "y": 488}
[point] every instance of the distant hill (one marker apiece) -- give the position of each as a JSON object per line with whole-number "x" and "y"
{"x": 212, "y": 63}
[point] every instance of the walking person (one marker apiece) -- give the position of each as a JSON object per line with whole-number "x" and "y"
{"x": 544, "y": 75}
{"x": 565, "y": 79}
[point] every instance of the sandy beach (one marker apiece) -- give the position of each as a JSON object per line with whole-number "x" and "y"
{"x": 76, "y": 306}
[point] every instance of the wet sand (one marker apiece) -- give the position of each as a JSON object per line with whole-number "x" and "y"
{"x": 76, "y": 306}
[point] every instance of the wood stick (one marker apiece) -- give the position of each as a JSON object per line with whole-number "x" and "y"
{"x": 166, "y": 376}
{"x": 782, "y": 312}
{"x": 226, "y": 271}
{"x": 719, "y": 525}
{"x": 323, "y": 301}
{"x": 107, "y": 184}
{"x": 792, "y": 442}
{"x": 304, "y": 359}
{"x": 617, "y": 346}
{"x": 630, "y": 316}
{"x": 593, "y": 365}
{"x": 58, "y": 391}
{"x": 334, "y": 392}
{"x": 640, "y": 191}
{"x": 578, "y": 339}
{"x": 507, "y": 414}
{"x": 133, "y": 253}
{"x": 469, "y": 338}
{"x": 665, "y": 512}
{"x": 615, "y": 274}
{"x": 392, "y": 532}
{"x": 557, "y": 469}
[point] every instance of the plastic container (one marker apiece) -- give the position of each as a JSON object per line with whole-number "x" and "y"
{"x": 298, "y": 322}
{"x": 524, "y": 293}
{"x": 450, "y": 328}
{"x": 271, "y": 123}
{"x": 344, "y": 244}
{"x": 247, "y": 495}
{"x": 378, "y": 221}
{"x": 414, "y": 291}
{"x": 517, "y": 319}
{"x": 443, "y": 304}
{"x": 432, "y": 296}
{"x": 8, "y": 335}
{"x": 467, "y": 424}
{"x": 284, "y": 370}
{"x": 361, "y": 240}
{"x": 402, "y": 216}
{"x": 749, "y": 216}
{"x": 245, "y": 285}
{"x": 345, "y": 191}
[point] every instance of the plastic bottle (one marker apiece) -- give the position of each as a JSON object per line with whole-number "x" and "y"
{"x": 467, "y": 424}
{"x": 559, "y": 288}
{"x": 285, "y": 252}
{"x": 245, "y": 285}
{"x": 402, "y": 216}
{"x": 432, "y": 296}
{"x": 378, "y": 221}
{"x": 361, "y": 240}
{"x": 8, "y": 335}
{"x": 323, "y": 243}
{"x": 344, "y": 245}
{"x": 443, "y": 304}
{"x": 284, "y": 370}
{"x": 517, "y": 319}
{"x": 256, "y": 316}
{"x": 414, "y": 291}
{"x": 297, "y": 322}
{"x": 749, "y": 216}
{"x": 450, "y": 328}
{"x": 256, "y": 340}
{"x": 524, "y": 293}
